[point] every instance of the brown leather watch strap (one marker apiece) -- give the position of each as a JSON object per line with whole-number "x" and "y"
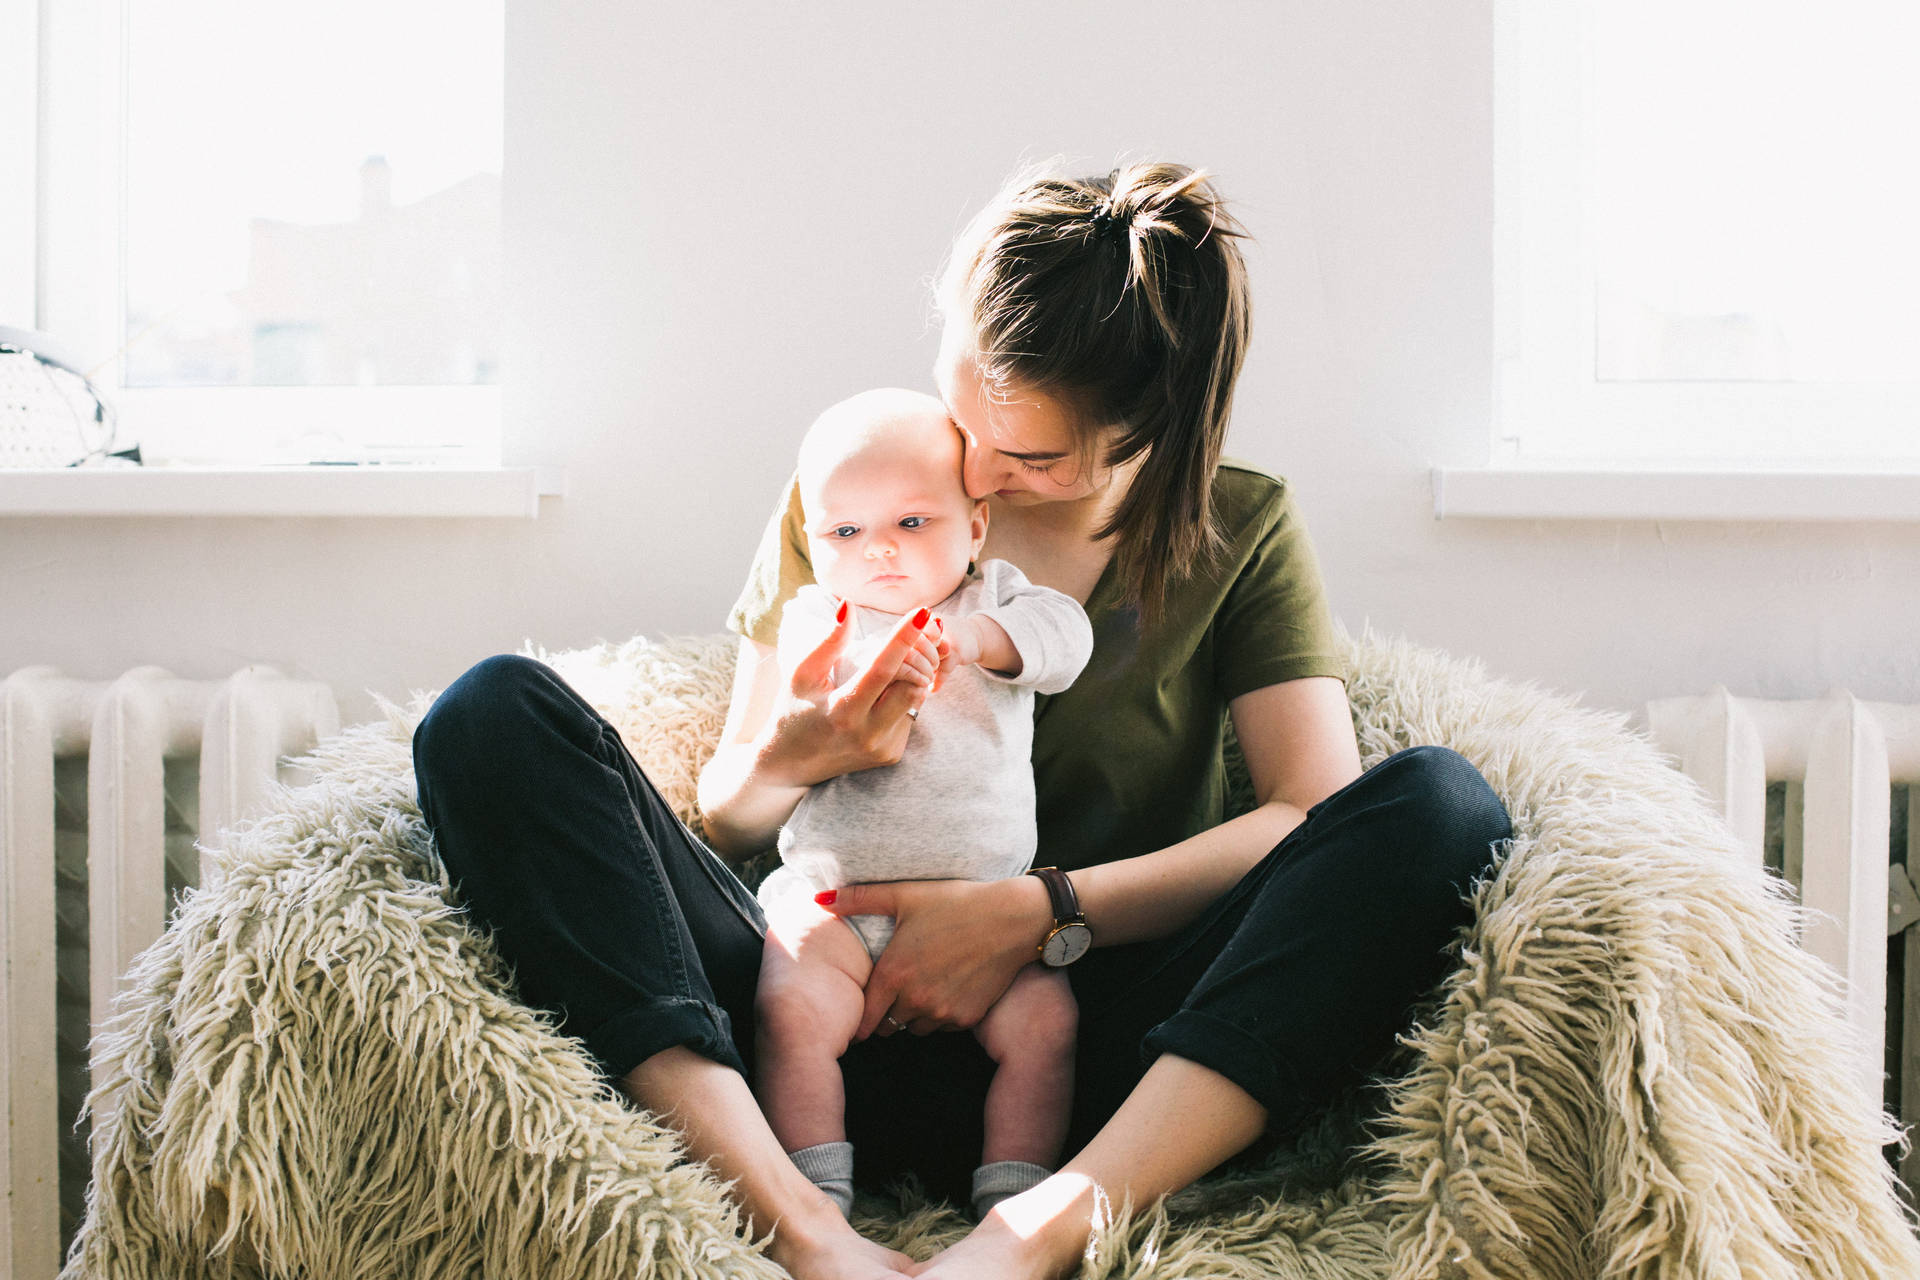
{"x": 1066, "y": 903}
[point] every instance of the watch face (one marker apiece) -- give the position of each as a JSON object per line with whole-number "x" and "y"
{"x": 1068, "y": 943}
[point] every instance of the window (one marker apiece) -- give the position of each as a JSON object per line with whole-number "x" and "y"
{"x": 273, "y": 231}
{"x": 1704, "y": 232}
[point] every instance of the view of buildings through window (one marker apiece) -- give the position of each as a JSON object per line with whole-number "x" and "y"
{"x": 313, "y": 195}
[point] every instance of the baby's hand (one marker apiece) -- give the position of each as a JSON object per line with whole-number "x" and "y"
{"x": 959, "y": 644}
{"x": 977, "y": 638}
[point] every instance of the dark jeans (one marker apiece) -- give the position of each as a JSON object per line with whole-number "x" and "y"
{"x": 1293, "y": 985}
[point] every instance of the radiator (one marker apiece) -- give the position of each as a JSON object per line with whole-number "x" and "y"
{"x": 1839, "y": 769}
{"x": 103, "y": 787}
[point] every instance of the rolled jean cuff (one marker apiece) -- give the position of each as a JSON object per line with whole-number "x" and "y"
{"x": 1247, "y": 1061}
{"x": 626, "y": 1040}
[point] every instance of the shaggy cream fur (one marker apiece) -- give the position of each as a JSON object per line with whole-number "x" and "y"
{"x": 320, "y": 1069}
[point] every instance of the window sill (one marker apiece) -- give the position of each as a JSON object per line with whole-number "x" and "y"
{"x": 299, "y": 492}
{"x": 1541, "y": 492}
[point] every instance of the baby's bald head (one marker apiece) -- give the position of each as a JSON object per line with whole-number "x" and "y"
{"x": 891, "y": 426}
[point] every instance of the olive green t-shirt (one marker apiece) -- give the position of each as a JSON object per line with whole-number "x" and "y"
{"x": 1129, "y": 760}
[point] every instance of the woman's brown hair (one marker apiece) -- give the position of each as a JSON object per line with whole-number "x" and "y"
{"x": 1125, "y": 298}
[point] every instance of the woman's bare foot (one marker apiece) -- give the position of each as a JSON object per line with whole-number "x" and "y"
{"x": 1036, "y": 1235}
{"x": 824, "y": 1247}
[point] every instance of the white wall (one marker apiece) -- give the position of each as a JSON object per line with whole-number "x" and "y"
{"x": 717, "y": 224}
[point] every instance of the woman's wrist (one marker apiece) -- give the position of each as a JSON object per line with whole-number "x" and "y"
{"x": 741, "y": 807}
{"x": 776, "y": 763}
{"x": 1030, "y": 912}
{"x": 793, "y": 755}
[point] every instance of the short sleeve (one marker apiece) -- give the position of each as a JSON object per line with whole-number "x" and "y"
{"x": 780, "y": 568}
{"x": 1274, "y": 624}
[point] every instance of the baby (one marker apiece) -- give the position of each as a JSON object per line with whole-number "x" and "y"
{"x": 891, "y": 531}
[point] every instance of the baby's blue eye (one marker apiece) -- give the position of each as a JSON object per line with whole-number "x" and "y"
{"x": 912, "y": 522}
{"x": 846, "y": 530}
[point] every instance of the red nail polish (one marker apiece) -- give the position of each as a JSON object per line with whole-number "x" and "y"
{"x": 920, "y": 618}
{"x": 840, "y": 614}
{"x": 826, "y": 896}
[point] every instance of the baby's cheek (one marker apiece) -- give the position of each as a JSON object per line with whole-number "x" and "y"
{"x": 830, "y": 568}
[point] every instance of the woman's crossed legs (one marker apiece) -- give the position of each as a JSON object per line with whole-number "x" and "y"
{"x": 614, "y": 916}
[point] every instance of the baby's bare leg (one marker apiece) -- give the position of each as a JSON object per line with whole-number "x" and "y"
{"x": 1029, "y": 1033}
{"x": 813, "y": 977}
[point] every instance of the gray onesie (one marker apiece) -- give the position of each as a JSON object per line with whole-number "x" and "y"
{"x": 959, "y": 804}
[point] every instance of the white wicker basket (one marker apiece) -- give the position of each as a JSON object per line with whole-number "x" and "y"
{"x": 50, "y": 414}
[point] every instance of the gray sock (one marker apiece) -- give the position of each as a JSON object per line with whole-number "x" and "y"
{"x": 829, "y": 1167}
{"x": 994, "y": 1182}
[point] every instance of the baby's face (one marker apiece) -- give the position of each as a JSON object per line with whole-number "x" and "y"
{"x": 892, "y": 528}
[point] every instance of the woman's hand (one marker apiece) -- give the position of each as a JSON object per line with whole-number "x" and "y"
{"x": 820, "y": 730}
{"x": 956, "y": 947}
{"x": 787, "y": 730}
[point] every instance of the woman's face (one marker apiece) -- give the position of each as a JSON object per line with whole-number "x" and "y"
{"x": 1020, "y": 447}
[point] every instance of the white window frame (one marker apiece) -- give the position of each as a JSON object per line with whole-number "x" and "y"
{"x": 68, "y": 240}
{"x": 1549, "y": 407}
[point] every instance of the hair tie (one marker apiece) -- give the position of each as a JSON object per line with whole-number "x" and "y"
{"x": 1105, "y": 221}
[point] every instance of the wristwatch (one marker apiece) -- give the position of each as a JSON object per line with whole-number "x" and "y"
{"x": 1070, "y": 937}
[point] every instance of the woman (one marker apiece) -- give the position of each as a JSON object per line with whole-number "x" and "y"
{"x": 1242, "y": 972}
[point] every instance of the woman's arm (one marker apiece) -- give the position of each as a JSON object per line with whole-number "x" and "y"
{"x": 1298, "y": 741}
{"x": 787, "y": 731}
{"x": 958, "y": 943}
{"x": 741, "y": 806}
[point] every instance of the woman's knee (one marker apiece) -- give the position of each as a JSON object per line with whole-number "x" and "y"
{"x": 480, "y": 715}
{"x": 1455, "y": 818}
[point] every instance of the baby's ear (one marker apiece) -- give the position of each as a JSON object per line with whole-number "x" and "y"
{"x": 979, "y": 525}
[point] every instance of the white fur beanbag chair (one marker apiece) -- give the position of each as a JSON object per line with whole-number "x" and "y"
{"x": 321, "y": 1069}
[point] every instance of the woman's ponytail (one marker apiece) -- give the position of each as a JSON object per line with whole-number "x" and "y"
{"x": 1125, "y": 297}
